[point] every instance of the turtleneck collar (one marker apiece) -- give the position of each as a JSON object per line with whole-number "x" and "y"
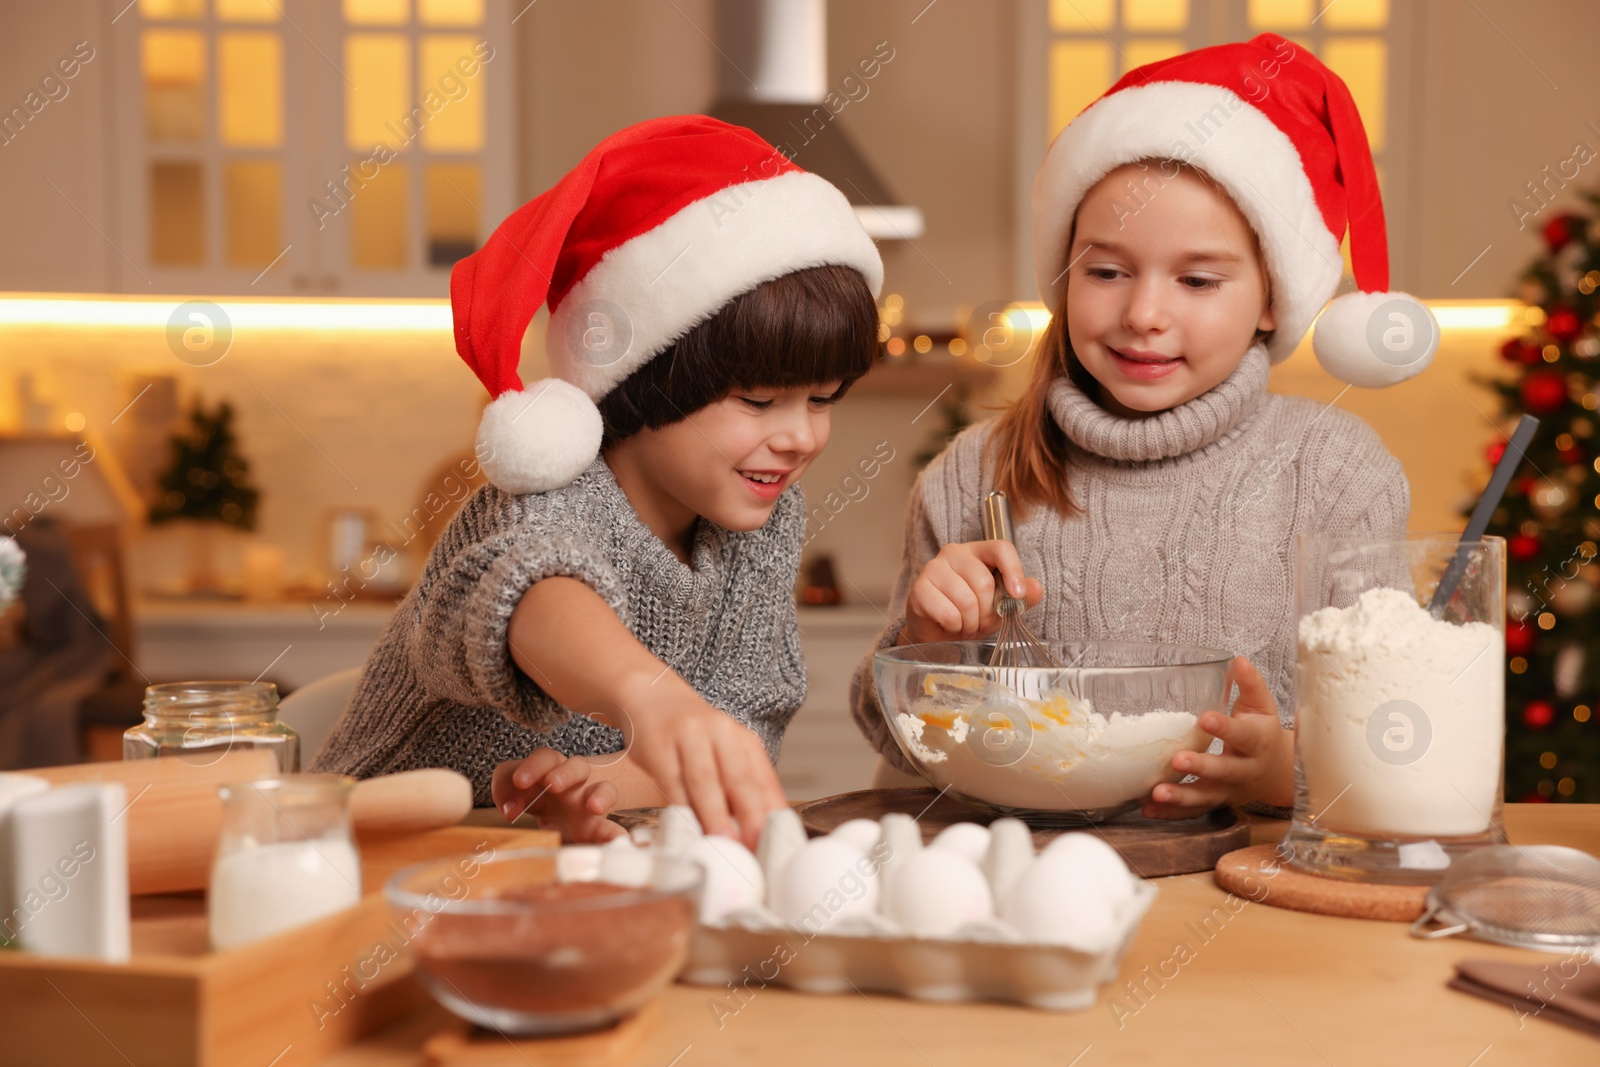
{"x": 1186, "y": 428}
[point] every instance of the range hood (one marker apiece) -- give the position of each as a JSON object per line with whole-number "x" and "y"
{"x": 772, "y": 77}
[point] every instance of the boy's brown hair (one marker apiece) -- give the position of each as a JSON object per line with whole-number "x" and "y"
{"x": 808, "y": 327}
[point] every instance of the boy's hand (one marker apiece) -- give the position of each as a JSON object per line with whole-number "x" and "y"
{"x": 1256, "y": 762}
{"x": 701, "y": 756}
{"x": 557, "y": 790}
{"x": 953, "y": 599}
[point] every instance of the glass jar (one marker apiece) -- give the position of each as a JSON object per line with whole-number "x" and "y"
{"x": 1399, "y": 706}
{"x": 285, "y": 857}
{"x": 202, "y": 721}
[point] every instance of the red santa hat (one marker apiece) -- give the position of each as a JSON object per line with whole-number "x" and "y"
{"x": 1280, "y": 132}
{"x": 656, "y": 229}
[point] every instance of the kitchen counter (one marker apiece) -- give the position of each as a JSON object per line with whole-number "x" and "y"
{"x": 1257, "y": 985}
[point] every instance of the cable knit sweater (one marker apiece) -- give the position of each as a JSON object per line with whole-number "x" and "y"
{"x": 1188, "y": 525}
{"x": 441, "y": 690}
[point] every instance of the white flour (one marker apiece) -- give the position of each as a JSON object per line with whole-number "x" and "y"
{"x": 1371, "y": 779}
{"x": 257, "y": 892}
{"x": 1076, "y": 757}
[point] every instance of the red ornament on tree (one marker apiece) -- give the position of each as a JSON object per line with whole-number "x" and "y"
{"x": 1558, "y": 232}
{"x": 1524, "y": 485}
{"x": 1495, "y": 450}
{"x": 1544, "y": 393}
{"x": 1522, "y": 547}
{"x": 1573, "y": 455}
{"x": 1563, "y": 324}
{"x": 1517, "y": 350}
{"x": 1519, "y": 639}
{"x": 1538, "y": 714}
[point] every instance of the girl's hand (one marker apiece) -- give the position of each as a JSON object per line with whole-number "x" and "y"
{"x": 558, "y": 791}
{"x": 1256, "y": 762}
{"x": 953, "y": 599}
{"x": 701, "y": 756}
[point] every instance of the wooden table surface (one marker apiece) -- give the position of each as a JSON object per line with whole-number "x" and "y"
{"x": 1266, "y": 986}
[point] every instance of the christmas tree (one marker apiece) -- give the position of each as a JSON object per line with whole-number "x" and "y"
{"x": 207, "y": 479}
{"x": 1550, "y": 522}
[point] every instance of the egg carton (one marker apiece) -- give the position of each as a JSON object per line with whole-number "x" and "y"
{"x": 1054, "y": 977}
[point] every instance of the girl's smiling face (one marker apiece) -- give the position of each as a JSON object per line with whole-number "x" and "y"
{"x": 1165, "y": 298}
{"x": 727, "y": 462}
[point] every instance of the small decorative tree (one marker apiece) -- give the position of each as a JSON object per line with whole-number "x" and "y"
{"x": 207, "y": 479}
{"x": 207, "y": 482}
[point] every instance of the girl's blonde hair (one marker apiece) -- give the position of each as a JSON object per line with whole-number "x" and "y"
{"x": 1029, "y": 449}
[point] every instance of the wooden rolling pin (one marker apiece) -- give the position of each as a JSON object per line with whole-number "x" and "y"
{"x": 175, "y": 814}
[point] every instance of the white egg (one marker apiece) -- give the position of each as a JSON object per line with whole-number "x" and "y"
{"x": 782, "y": 835}
{"x": 1103, "y": 863}
{"x": 1058, "y": 902}
{"x": 902, "y": 839}
{"x": 631, "y": 867}
{"x": 676, "y": 828}
{"x": 579, "y": 863}
{"x": 967, "y": 839}
{"x": 862, "y": 833}
{"x": 826, "y": 880}
{"x": 1010, "y": 852}
{"x": 733, "y": 876}
{"x": 936, "y": 891}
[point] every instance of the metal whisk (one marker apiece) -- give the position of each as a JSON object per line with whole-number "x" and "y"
{"x": 1015, "y": 645}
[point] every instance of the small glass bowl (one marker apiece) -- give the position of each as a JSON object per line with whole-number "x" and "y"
{"x": 1052, "y": 746}
{"x": 521, "y": 943}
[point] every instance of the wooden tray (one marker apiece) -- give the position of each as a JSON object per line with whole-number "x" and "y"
{"x": 1152, "y": 848}
{"x": 286, "y": 1001}
{"x": 1261, "y": 874}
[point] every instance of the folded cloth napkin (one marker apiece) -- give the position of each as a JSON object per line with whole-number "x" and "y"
{"x": 1565, "y": 991}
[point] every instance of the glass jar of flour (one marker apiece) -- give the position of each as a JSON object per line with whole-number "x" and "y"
{"x": 201, "y": 721}
{"x": 286, "y": 857}
{"x": 1399, "y": 705}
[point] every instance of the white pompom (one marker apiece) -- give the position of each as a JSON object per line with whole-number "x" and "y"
{"x": 1374, "y": 340}
{"x": 540, "y": 438}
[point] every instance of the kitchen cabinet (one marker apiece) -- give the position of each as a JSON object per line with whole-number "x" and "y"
{"x": 293, "y": 147}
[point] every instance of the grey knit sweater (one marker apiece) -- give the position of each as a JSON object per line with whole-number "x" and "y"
{"x": 441, "y": 690}
{"x": 1188, "y": 525}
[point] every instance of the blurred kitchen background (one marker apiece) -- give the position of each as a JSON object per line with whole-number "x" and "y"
{"x": 233, "y": 221}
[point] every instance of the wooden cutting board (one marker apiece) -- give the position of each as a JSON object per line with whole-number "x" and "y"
{"x": 1152, "y": 848}
{"x": 1259, "y": 873}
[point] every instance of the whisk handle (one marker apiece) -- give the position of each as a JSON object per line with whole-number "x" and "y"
{"x": 996, "y": 517}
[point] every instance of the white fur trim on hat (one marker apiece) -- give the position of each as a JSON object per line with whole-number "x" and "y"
{"x": 540, "y": 438}
{"x": 649, "y": 291}
{"x": 1218, "y": 131}
{"x": 1375, "y": 339}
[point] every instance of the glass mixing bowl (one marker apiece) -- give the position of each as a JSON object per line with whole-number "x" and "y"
{"x": 1053, "y": 746}
{"x": 524, "y": 944}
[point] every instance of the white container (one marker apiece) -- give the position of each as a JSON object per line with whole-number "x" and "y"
{"x": 1049, "y": 977}
{"x": 286, "y": 857}
{"x": 13, "y": 788}
{"x": 69, "y": 875}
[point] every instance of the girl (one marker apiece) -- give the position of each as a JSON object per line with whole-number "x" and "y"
{"x": 634, "y": 561}
{"x": 1186, "y": 232}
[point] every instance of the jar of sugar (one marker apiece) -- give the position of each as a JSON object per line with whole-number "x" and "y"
{"x": 286, "y": 857}
{"x": 1399, "y": 705}
{"x": 201, "y": 721}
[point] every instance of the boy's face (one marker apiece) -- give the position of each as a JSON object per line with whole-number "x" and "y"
{"x": 729, "y": 461}
{"x": 1166, "y": 291}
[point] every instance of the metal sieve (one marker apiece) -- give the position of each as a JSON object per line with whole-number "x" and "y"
{"x": 1528, "y": 896}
